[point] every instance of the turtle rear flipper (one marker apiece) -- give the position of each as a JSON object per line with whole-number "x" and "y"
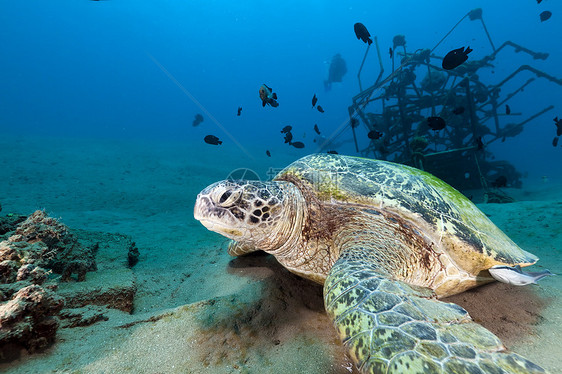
{"x": 390, "y": 326}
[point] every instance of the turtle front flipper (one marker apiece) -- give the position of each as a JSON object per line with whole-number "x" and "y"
{"x": 390, "y": 326}
{"x": 239, "y": 249}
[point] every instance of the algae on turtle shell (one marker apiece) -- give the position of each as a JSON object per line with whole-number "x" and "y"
{"x": 387, "y": 241}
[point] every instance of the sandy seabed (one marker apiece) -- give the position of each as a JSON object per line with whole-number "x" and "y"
{"x": 199, "y": 310}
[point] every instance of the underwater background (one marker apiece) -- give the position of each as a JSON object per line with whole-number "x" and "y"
{"x": 113, "y": 69}
{"x": 97, "y": 101}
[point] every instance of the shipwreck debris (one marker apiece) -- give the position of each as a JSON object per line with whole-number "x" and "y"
{"x": 398, "y": 107}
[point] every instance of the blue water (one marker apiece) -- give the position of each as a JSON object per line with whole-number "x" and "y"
{"x": 140, "y": 69}
{"x": 97, "y": 100}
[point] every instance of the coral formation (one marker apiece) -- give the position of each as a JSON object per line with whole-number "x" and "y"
{"x": 44, "y": 241}
{"x": 28, "y": 304}
{"x": 44, "y": 267}
{"x": 29, "y": 320}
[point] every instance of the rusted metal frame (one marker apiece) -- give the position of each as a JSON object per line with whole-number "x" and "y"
{"x": 518, "y": 48}
{"x": 509, "y": 96}
{"x": 521, "y": 124}
{"x": 538, "y": 73}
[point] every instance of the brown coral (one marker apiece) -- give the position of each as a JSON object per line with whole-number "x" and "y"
{"x": 28, "y": 319}
{"x": 46, "y": 242}
{"x": 40, "y": 227}
{"x": 27, "y": 310}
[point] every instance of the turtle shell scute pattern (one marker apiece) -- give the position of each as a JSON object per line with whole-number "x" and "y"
{"x": 407, "y": 191}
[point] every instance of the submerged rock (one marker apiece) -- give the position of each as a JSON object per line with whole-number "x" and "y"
{"x": 28, "y": 320}
{"x": 44, "y": 267}
{"x": 46, "y": 242}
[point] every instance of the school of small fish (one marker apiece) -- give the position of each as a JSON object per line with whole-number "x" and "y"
{"x": 452, "y": 60}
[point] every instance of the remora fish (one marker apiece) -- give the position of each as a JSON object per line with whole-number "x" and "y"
{"x": 515, "y": 276}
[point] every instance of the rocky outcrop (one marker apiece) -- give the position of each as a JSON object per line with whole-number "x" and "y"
{"x": 29, "y": 320}
{"x": 45, "y": 267}
{"x": 46, "y": 242}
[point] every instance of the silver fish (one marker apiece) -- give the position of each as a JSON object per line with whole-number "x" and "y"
{"x": 515, "y": 276}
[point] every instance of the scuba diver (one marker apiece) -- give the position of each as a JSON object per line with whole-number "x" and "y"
{"x": 337, "y": 70}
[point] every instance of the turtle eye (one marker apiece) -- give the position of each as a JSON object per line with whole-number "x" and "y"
{"x": 226, "y": 197}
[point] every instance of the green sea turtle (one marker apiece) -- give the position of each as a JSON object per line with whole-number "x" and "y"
{"x": 387, "y": 241}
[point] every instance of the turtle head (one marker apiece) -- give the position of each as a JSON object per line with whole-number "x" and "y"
{"x": 251, "y": 212}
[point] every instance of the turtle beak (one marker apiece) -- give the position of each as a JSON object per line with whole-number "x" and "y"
{"x": 213, "y": 217}
{"x": 204, "y": 207}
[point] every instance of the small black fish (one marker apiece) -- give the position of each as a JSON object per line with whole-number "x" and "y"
{"x": 239, "y": 111}
{"x": 500, "y": 181}
{"x": 544, "y": 16}
{"x": 354, "y": 122}
{"x": 314, "y": 100}
{"x": 555, "y": 141}
{"x": 332, "y": 152}
{"x": 436, "y": 123}
{"x": 267, "y": 96}
{"x": 455, "y": 58}
{"x": 558, "y": 123}
{"x": 479, "y": 143}
{"x": 288, "y": 137}
{"x": 268, "y": 153}
{"x": 297, "y": 144}
{"x": 286, "y": 129}
{"x": 459, "y": 110}
{"x": 390, "y": 52}
{"x": 316, "y": 129}
{"x": 362, "y": 33}
{"x": 211, "y": 139}
{"x": 507, "y": 109}
{"x": 197, "y": 120}
{"x": 539, "y": 1}
{"x": 374, "y": 134}
{"x": 320, "y": 109}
